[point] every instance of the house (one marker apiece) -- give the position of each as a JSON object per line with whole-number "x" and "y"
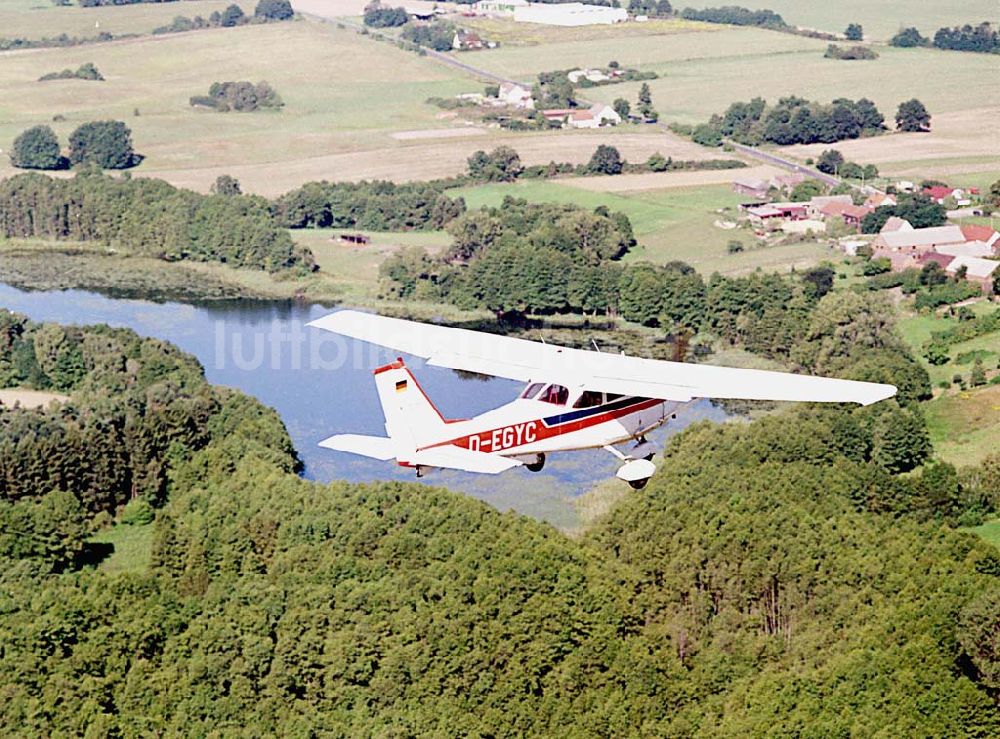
{"x": 569, "y": 14}
{"x": 879, "y": 199}
{"x": 761, "y": 214}
{"x": 851, "y": 214}
{"x": 905, "y": 186}
{"x": 754, "y": 188}
{"x": 981, "y": 271}
{"x": 895, "y": 223}
{"x": 982, "y": 233}
{"x": 595, "y": 116}
{"x": 466, "y": 40}
{"x": 516, "y": 96}
{"x": 940, "y": 193}
{"x": 816, "y": 203}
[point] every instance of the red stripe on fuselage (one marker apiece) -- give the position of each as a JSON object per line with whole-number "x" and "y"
{"x": 517, "y": 433}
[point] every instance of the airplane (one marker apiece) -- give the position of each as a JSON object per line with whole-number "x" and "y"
{"x": 572, "y": 399}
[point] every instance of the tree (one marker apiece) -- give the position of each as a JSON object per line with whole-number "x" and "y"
{"x": 501, "y": 165}
{"x": 978, "y": 375}
{"x": 646, "y": 104}
{"x": 605, "y": 160}
{"x": 380, "y": 16}
{"x": 807, "y": 190}
{"x": 912, "y": 116}
{"x": 108, "y": 144}
{"x": 622, "y": 108}
{"x": 37, "y": 148}
{"x": 854, "y": 32}
{"x": 830, "y": 161}
{"x": 707, "y": 135}
{"x": 226, "y": 185}
{"x": 657, "y": 162}
{"x": 908, "y": 38}
{"x": 232, "y": 16}
{"x": 274, "y": 10}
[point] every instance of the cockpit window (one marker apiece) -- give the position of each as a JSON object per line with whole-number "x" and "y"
{"x": 555, "y": 394}
{"x": 532, "y": 390}
{"x": 588, "y": 399}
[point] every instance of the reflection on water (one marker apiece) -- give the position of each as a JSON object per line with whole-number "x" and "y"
{"x": 322, "y": 385}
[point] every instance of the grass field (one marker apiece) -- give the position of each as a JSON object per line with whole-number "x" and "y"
{"x": 880, "y": 19}
{"x": 507, "y": 32}
{"x": 989, "y": 531}
{"x": 670, "y": 224}
{"x": 964, "y": 428}
{"x": 342, "y": 93}
{"x": 133, "y": 547}
{"x": 353, "y": 269}
{"x": 35, "y": 19}
{"x": 916, "y": 330}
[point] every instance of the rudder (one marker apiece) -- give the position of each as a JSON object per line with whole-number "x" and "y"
{"x": 410, "y": 417}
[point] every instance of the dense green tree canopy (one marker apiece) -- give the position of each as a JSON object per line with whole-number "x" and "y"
{"x": 108, "y": 144}
{"x": 912, "y": 116}
{"x": 37, "y": 148}
{"x": 274, "y": 10}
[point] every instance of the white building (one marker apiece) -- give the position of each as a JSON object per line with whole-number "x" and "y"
{"x": 594, "y": 117}
{"x": 569, "y": 14}
{"x": 516, "y": 96}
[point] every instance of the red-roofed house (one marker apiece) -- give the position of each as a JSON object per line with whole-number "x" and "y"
{"x": 981, "y": 233}
{"x": 878, "y": 199}
{"x": 852, "y": 214}
{"x": 939, "y": 193}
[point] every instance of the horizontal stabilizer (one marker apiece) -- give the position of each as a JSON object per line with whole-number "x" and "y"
{"x": 377, "y": 447}
{"x": 459, "y": 458}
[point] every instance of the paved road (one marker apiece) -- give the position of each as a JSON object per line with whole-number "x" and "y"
{"x": 769, "y": 158}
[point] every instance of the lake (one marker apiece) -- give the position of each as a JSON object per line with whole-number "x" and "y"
{"x": 322, "y": 384}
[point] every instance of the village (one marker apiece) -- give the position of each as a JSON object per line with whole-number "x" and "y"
{"x": 963, "y": 251}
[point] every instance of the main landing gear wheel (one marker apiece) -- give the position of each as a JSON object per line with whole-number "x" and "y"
{"x": 638, "y": 484}
{"x": 537, "y": 465}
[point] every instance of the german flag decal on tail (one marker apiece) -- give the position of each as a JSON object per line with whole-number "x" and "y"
{"x": 400, "y": 386}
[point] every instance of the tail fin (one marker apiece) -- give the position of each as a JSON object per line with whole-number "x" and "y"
{"x": 410, "y": 417}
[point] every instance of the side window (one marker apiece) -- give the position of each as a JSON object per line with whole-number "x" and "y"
{"x": 589, "y": 399}
{"x": 555, "y": 394}
{"x": 532, "y": 390}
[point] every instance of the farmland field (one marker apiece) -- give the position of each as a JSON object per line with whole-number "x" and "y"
{"x": 880, "y": 19}
{"x": 670, "y": 224}
{"x": 35, "y": 19}
{"x": 964, "y": 428}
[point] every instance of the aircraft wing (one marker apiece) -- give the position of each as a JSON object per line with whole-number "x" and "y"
{"x": 518, "y": 359}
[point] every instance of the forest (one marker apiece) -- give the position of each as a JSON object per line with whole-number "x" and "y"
{"x": 150, "y": 217}
{"x": 776, "y": 577}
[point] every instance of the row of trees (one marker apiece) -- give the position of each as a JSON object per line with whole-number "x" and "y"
{"x": 382, "y": 16}
{"x": 735, "y": 15}
{"x": 982, "y": 38}
{"x": 267, "y": 11}
{"x": 86, "y": 71}
{"x": 793, "y": 120}
{"x": 239, "y": 96}
{"x": 850, "y": 53}
{"x": 376, "y": 205}
{"x": 106, "y": 144}
{"x": 918, "y": 209}
{"x": 150, "y": 217}
{"x": 438, "y": 36}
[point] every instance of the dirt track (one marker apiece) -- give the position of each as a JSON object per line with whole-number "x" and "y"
{"x": 664, "y": 180}
{"x": 29, "y": 398}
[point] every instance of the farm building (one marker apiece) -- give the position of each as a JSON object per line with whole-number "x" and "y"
{"x": 852, "y": 214}
{"x": 593, "y": 117}
{"x": 516, "y": 96}
{"x": 879, "y": 199}
{"x": 969, "y": 249}
{"x": 467, "y": 40}
{"x": 895, "y": 223}
{"x": 977, "y": 270}
{"x": 569, "y": 14}
{"x": 753, "y": 188}
{"x": 982, "y": 233}
{"x": 817, "y": 203}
